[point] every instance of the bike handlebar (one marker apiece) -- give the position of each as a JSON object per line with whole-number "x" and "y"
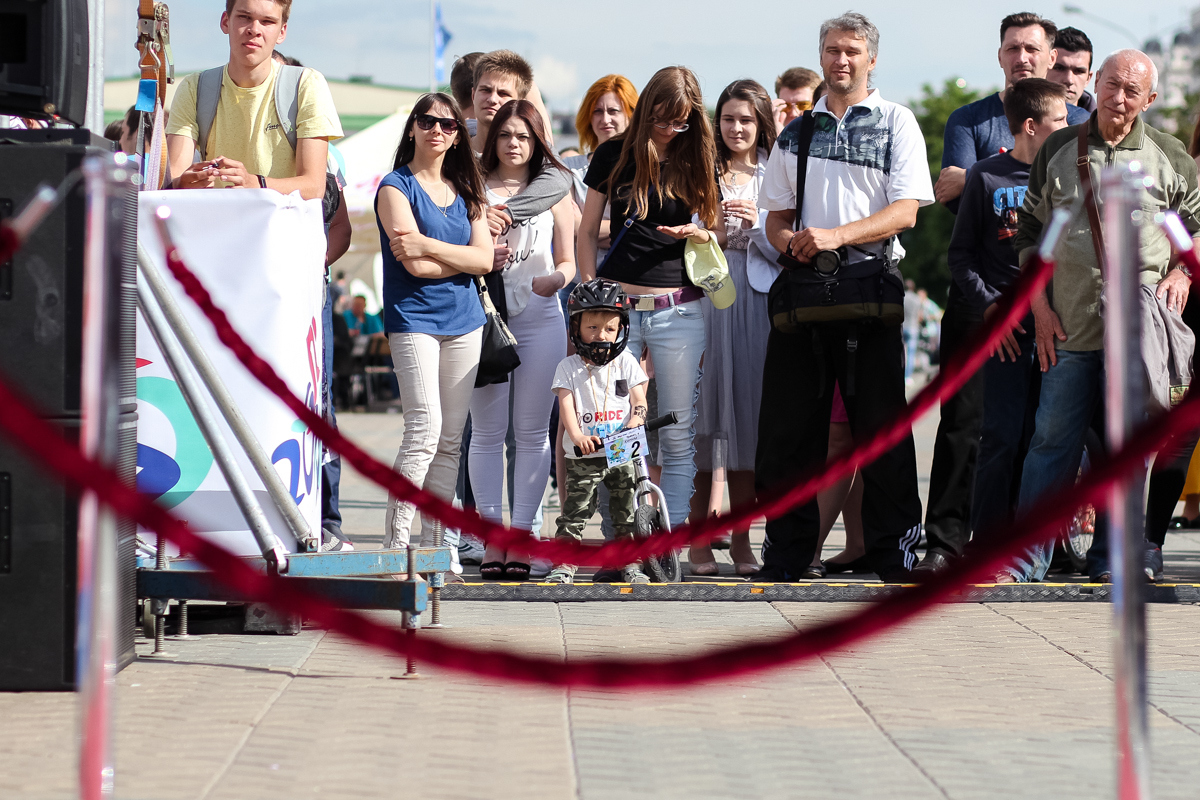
{"x": 653, "y": 425}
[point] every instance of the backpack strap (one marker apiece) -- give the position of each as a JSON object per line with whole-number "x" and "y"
{"x": 287, "y": 99}
{"x": 208, "y": 95}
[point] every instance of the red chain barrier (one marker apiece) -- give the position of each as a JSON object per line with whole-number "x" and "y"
{"x": 9, "y": 242}
{"x": 43, "y": 444}
{"x": 951, "y": 377}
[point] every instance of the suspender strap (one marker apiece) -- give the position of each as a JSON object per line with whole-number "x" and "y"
{"x": 1089, "y": 194}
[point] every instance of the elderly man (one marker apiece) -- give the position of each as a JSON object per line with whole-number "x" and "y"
{"x": 1068, "y": 322}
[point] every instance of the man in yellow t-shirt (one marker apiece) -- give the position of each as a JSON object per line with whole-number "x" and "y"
{"x": 247, "y": 146}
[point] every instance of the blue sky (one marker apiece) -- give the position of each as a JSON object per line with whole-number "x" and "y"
{"x": 572, "y": 43}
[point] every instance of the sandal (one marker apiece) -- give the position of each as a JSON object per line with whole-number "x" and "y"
{"x": 516, "y": 571}
{"x": 491, "y": 570}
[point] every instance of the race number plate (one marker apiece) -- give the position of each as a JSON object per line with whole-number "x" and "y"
{"x": 624, "y": 446}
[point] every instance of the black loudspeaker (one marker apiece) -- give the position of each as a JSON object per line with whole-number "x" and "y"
{"x": 41, "y": 309}
{"x": 44, "y": 58}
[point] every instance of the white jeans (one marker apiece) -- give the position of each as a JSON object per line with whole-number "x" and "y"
{"x": 436, "y": 376}
{"x": 541, "y": 343}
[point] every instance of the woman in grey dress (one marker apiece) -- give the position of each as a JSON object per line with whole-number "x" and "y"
{"x": 731, "y": 384}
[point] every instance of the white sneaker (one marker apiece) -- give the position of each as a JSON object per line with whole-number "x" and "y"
{"x": 336, "y": 546}
{"x": 633, "y": 574}
{"x": 563, "y": 573}
{"x": 470, "y": 550}
{"x": 540, "y": 567}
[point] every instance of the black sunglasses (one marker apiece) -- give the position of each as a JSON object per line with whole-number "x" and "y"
{"x": 426, "y": 122}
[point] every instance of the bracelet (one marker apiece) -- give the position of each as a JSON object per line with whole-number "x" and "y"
{"x": 262, "y": 182}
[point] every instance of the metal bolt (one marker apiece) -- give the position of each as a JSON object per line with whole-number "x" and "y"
{"x": 435, "y": 589}
{"x": 160, "y": 626}
{"x": 183, "y": 620}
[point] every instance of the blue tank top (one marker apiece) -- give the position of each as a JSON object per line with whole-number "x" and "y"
{"x": 436, "y": 306}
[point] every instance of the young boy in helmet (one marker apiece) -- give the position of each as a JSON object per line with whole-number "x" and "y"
{"x": 601, "y": 389}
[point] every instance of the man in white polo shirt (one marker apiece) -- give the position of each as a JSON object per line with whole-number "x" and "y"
{"x": 865, "y": 177}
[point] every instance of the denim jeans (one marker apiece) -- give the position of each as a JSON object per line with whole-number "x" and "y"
{"x": 676, "y": 339}
{"x": 331, "y": 469}
{"x": 1067, "y": 402}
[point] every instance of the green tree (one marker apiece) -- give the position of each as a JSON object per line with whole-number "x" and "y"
{"x": 926, "y": 244}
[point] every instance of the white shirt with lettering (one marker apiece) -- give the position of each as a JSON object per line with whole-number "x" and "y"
{"x": 530, "y": 255}
{"x": 601, "y": 393}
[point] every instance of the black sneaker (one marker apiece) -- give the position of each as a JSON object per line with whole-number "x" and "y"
{"x": 1154, "y": 564}
{"x": 771, "y": 574}
{"x": 608, "y": 575}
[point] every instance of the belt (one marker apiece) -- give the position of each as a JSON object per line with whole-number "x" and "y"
{"x": 654, "y": 302}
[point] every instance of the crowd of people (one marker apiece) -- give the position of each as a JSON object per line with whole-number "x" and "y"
{"x": 740, "y": 270}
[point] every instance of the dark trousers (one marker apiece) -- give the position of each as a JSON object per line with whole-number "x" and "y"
{"x": 952, "y": 477}
{"x": 1171, "y": 464}
{"x": 1009, "y": 407}
{"x": 331, "y": 472}
{"x": 793, "y": 438}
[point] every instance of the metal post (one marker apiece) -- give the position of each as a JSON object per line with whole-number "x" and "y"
{"x": 93, "y": 114}
{"x": 189, "y": 386}
{"x": 224, "y": 400}
{"x": 96, "y": 586}
{"x": 433, "y": 46}
{"x": 410, "y": 621}
{"x": 436, "y": 581}
{"x": 158, "y": 606}
{"x": 1125, "y": 401}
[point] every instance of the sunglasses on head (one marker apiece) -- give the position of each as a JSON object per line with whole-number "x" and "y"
{"x": 426, "y": 122}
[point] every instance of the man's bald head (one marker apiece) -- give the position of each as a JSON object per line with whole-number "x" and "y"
{"x": 1126, "y": 85}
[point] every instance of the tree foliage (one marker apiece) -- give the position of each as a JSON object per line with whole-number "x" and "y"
{"x": 927, "y": 243}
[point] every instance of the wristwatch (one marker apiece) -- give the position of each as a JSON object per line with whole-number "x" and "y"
{"x": 262, "y": 182}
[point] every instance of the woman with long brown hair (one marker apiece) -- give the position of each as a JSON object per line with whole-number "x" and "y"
{"x": 731, "y": 388}
{"x": 657, "y": 175}
{"x": 536, "y": 258}
{"x": 430, "y": 213}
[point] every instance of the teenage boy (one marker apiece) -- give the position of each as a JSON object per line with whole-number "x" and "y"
{"x": 247, "y": 147}
{"x": 983, "y": 265}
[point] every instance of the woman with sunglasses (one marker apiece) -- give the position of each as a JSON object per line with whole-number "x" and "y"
{"x": 435, "y": 239}
{"x": 536, "y": 259}
{"x": 657, "y": 175}
{"x": 731, "y": 388}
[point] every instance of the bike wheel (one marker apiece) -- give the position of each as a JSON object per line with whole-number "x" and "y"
{"x": 663, "y": 568}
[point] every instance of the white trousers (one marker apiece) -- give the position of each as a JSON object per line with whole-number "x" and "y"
{"x": 541, "y": 337}
{"x": 436, "y": 376}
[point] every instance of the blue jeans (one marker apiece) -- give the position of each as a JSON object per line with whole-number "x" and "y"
{"x": 676, "y": 339}
{"x": 1068, "y": 400}
{"x": 331, "y": 470}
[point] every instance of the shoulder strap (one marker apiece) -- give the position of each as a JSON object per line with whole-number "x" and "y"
{"x": 208, "y": 95}
{"x": 1089, "y": 194}
{"x": 287, "y": 99}
{"x": 807, "y": 124}
{"x": 612, "y": 248}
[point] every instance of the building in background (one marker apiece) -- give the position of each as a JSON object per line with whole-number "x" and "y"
{"x": 1178, "y": 79}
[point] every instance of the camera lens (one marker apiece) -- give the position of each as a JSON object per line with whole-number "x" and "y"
{"x": 827, "y": 262}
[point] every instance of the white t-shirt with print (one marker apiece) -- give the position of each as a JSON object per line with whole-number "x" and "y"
{"x": 601, "y": 393}
{"x": 857, "y": 166}
{"x": 530, "y": 254}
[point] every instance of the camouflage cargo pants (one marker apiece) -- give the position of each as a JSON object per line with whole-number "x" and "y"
{"x": 584, "y": 476}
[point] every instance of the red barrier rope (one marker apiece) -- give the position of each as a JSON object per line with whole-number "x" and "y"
{"x": 947, "y": 382}
{"x": 45, "y": 445}
{"x": 9, "y": 242}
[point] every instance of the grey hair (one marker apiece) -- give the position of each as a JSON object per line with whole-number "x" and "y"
{"x": 857, "y": 24}
{"x": 1138, "y": 55}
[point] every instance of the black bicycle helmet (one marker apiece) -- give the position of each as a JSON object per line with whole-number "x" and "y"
{"x": 599, "y": 294}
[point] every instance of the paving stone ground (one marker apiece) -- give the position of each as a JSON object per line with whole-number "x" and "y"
{"x": 971, "y": 701}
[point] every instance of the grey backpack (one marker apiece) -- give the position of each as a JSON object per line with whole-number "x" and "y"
{"x": 287, "y": 108}
{"x": 287, "y": 102}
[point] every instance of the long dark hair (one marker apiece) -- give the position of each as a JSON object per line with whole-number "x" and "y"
{"x": 541, "y": 156}
{"x": 691, "y": 155}
{"x": 459, "y": 165}
{"x": 753, "y": 93}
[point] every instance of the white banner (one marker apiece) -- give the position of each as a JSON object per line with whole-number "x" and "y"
{"x": 262, "y": 256}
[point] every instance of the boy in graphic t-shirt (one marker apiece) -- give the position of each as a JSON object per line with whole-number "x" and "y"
{"x": 983, "y": 265}
{"x": 601, "y": 389}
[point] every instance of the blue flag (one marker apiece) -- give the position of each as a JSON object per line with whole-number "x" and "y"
{"x": 441, "y": 37}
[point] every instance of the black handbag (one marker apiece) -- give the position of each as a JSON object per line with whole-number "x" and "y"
{"x": 831, "y": 289}
{"x": 498, "y": 351}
